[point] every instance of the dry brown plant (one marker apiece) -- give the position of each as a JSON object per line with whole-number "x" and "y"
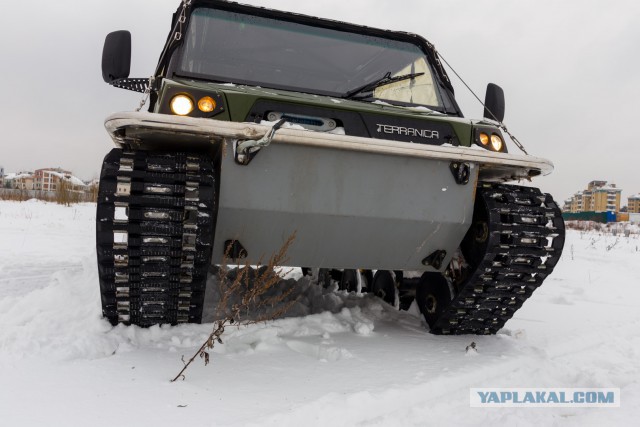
{"x": 66, "y": 195}
{"x": 93, "y": 193}
{"x": 63, "y": 195}
{"x": 14, "y": 195}
{"x": 249, "y": 297}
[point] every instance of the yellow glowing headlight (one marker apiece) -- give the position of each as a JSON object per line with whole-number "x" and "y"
{"x": 206, "y": 104}
{"x": 181, "y": 105}
{"x": 496, "y": 142}
{"x": 484, "y": 138}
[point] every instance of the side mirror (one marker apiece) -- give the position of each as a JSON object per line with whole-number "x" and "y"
{"x": 494, "y": 103}
{"x": 116, "y": 56}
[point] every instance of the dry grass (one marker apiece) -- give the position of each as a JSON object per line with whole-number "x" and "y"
{"x": 67, "y": 195}
{"x": 247, "y": 297}
{"x": 584, "y": 225}
{"x": 64, "y": 195}
{"x": 612, "y": 228}
{"x": 14, "y": 195}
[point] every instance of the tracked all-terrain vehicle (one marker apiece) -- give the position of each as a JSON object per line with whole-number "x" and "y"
{"x": 262, "y": 124}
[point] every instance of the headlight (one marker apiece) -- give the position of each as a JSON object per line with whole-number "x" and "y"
{"x": 181, "y": 105}
{"x": 206, "y": 104}
{"x": 496, "y": 142}
{"x": 490, "y": 138}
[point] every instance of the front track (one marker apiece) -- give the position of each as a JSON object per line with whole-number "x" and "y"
{"x": 154, "y": 231}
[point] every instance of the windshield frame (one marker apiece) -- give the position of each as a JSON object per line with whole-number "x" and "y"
{"x": 441, "y": 83}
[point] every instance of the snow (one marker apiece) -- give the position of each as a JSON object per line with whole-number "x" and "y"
{"x": 342, "y": 360}
{"x": 338, "y": 131}
{"x": 285, "y": 125}
{"x": 72, "y": 179}
{"x": 12, "y": 176}
{"x": 427, "y": 111}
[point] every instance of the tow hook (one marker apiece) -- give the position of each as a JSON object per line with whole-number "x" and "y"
{"x": 461, "y": 172}
{"x": 246, "y": 150}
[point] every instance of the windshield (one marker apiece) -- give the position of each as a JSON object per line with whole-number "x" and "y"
{"x": 234, "y": 47}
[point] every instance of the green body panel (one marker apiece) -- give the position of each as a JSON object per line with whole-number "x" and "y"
{"x": 240, "y": 99}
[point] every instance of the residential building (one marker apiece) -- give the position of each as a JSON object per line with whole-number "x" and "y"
{"x": 633, "y": 205}
{"x": 598, "y": 197}
{"x": 48, "y": 179}
{"x": 18, "y": 181}
{"x": 23, "y": 181}
{"x": 576, "y": 202}
{"x": 596, "y": 184}
{"x": 606, "y": 199}
{"x": 587, "y": 200}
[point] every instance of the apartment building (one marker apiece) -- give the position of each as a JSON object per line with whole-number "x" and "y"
{"x": 633, "y": 205}
{"x": 48, "y": 179}
{"x": 598, "y": 197}
{"x": 23, "y": 181}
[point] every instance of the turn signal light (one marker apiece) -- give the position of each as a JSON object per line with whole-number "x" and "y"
{"x": 206, "y": 104}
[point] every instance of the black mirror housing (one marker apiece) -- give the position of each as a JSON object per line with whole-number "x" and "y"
{"x": 494, "y": 103}
{"x": 116, "y": 56}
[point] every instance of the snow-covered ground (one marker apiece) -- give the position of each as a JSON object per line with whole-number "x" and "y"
{"x": 352, "y": 360}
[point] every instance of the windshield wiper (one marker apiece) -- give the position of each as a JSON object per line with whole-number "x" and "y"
{"x": 384, "y": 80}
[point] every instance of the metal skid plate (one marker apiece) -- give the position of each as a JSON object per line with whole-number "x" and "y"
{"x": 347, "y": 209}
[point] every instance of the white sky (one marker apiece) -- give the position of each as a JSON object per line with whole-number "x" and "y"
{"x": 569, "y": 70}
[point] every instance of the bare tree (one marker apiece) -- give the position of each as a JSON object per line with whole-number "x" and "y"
{"x": 63, "y": 193}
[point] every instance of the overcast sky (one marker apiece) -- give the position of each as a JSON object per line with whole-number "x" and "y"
{"x": 570, "y": 71}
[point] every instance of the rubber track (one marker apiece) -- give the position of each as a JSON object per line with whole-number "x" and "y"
{"x": 154, "y": 231}
{"x": 525, "y": 241}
